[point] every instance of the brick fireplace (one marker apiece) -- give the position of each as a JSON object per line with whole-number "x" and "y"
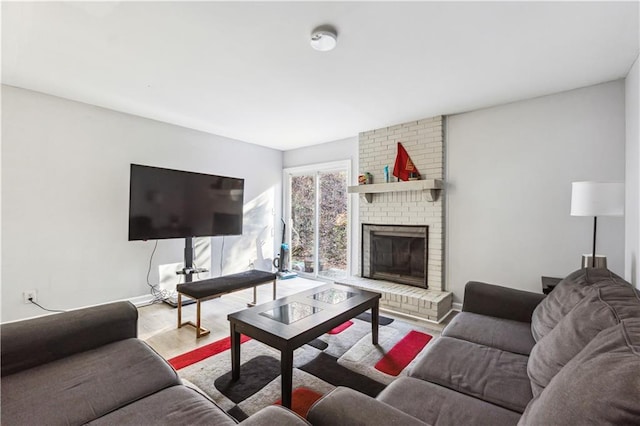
{"x": 424, "y": 142}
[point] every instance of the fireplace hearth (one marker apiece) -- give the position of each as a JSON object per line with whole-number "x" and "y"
{"x": 396, "y": 253}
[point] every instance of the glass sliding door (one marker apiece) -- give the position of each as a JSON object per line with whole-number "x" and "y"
{"x": 332, "y": 224}
{"x": 318, "y": 207}
{"x": 302, "y": 223}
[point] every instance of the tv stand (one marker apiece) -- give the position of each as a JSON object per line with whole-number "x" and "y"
{"x": 187, "y": 271}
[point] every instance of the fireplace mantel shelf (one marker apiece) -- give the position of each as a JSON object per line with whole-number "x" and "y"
{"x": 431, "y": 187}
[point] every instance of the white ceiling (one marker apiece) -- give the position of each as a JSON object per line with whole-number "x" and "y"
{"x": 246, "y": 70}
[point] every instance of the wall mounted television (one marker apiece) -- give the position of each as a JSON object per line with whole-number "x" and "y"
{"x": 166, "y": 203}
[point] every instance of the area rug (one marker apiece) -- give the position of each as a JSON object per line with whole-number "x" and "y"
{"x": 342, "y": 357}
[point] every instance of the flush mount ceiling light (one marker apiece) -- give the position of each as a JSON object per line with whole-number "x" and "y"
{"x": 324, "y": 38}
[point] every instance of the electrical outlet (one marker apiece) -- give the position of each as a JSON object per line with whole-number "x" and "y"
{"x": 30, "y": 294}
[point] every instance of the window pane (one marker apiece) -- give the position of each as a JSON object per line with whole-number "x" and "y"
{"x": 333, "y": 224}
{"x": 303, "y": 193}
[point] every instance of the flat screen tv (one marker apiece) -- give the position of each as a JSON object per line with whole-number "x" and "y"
{"x": 165, "y": 203}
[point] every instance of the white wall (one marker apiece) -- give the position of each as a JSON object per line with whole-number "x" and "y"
{"x": 632, "y": 179}
{"x": 510, "y": 170}
{"x": 343, "y": 149}
{"x": 65, "y": 195}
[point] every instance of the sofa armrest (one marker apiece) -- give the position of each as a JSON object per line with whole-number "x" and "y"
{"x": 26, "y": 344}
{"x": 275, "y": 415}
{"x": 501, "y": 302}
{"x": 346, "y": 407}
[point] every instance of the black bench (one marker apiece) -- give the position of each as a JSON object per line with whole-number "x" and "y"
{"x": 216, "y": 287}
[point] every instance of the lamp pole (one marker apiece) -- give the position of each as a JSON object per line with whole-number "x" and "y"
{"x": 595, "y": 199}
{"x": 593, "y": 253}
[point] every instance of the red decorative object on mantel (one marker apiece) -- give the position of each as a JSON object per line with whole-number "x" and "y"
{"x": 404, "y": 169}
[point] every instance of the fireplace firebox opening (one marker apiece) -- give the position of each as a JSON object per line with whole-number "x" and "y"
{"x": 396, "y": 253}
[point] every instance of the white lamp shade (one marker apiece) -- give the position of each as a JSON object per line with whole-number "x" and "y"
{"x": 597, "y": 199}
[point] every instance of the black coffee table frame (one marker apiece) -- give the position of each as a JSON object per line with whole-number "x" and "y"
{"x": 288, "y": 337}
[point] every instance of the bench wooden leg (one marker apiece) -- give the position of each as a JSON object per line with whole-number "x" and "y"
{"x": 255, "y": 297}
{"x": 200, "y": 331}
{"x": 198, "y": 318}
{"x": 179, "y": 310}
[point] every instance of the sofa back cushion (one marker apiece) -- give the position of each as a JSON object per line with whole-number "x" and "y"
{"x": 29, "y": 343}
{"x": 603, "y": 308}
{"x": 566, "y": 295}
{"x": 600, "y": 385}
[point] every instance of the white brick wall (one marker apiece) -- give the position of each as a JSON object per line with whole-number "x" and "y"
{"x": 424, "y": 142}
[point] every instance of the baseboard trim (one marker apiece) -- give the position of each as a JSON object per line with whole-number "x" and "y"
{"x": 140, "y": 301}
{"x": 414, "y": 317}
{"x": 457, "y": 307}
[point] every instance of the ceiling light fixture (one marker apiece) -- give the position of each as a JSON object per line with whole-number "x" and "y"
{"x": 324, "y": 38}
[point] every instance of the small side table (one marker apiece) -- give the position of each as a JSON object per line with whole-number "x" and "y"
{"x": 549, "y": 283}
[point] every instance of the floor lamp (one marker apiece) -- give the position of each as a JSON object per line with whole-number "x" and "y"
{"x": 597, "y": 199}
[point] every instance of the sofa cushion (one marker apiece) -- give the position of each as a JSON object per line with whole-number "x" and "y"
{"x": 566, "y": 295}
{"x": 493, "y": 375}
{"x": 86, "y": 385}
{"x": 26, "y": 344}
{"x": 600, "y": 385}
{"x": 596, "y": 312}
{"x": 499, "y": 333}
{"x": 440, "y": 406}
{"x": 345, "y": 406}
{"x": 275, "y": 415}
{"x": 177, "y": 405}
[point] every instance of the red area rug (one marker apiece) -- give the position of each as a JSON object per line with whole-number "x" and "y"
{"x": 301, "y": 400}
{"x": 403, "y": 353}
{"x": 342, "y": 327}
{"x": 204, "y": 352}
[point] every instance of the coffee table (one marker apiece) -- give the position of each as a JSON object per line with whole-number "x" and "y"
{"x": 290, "y": 322}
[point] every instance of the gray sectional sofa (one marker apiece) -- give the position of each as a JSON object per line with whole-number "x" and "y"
{"x": 88, "y": 367}
{"x": 513, "y": 357}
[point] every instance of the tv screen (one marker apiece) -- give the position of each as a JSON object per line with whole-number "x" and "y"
{"x": 165, "y": 203}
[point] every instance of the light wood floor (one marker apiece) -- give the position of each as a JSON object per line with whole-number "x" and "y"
{"x": 157, "y": 323}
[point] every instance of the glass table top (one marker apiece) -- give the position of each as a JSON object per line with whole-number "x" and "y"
{"x": 290, "y": 312}
{"x": 332, "y": 296}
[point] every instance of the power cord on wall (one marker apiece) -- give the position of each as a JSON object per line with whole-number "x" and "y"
{"x": 42, "y": 307}
{"x": 221, "y": 255}
{"x": 197, "y": 270}
{"x": 158, "y": 294}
